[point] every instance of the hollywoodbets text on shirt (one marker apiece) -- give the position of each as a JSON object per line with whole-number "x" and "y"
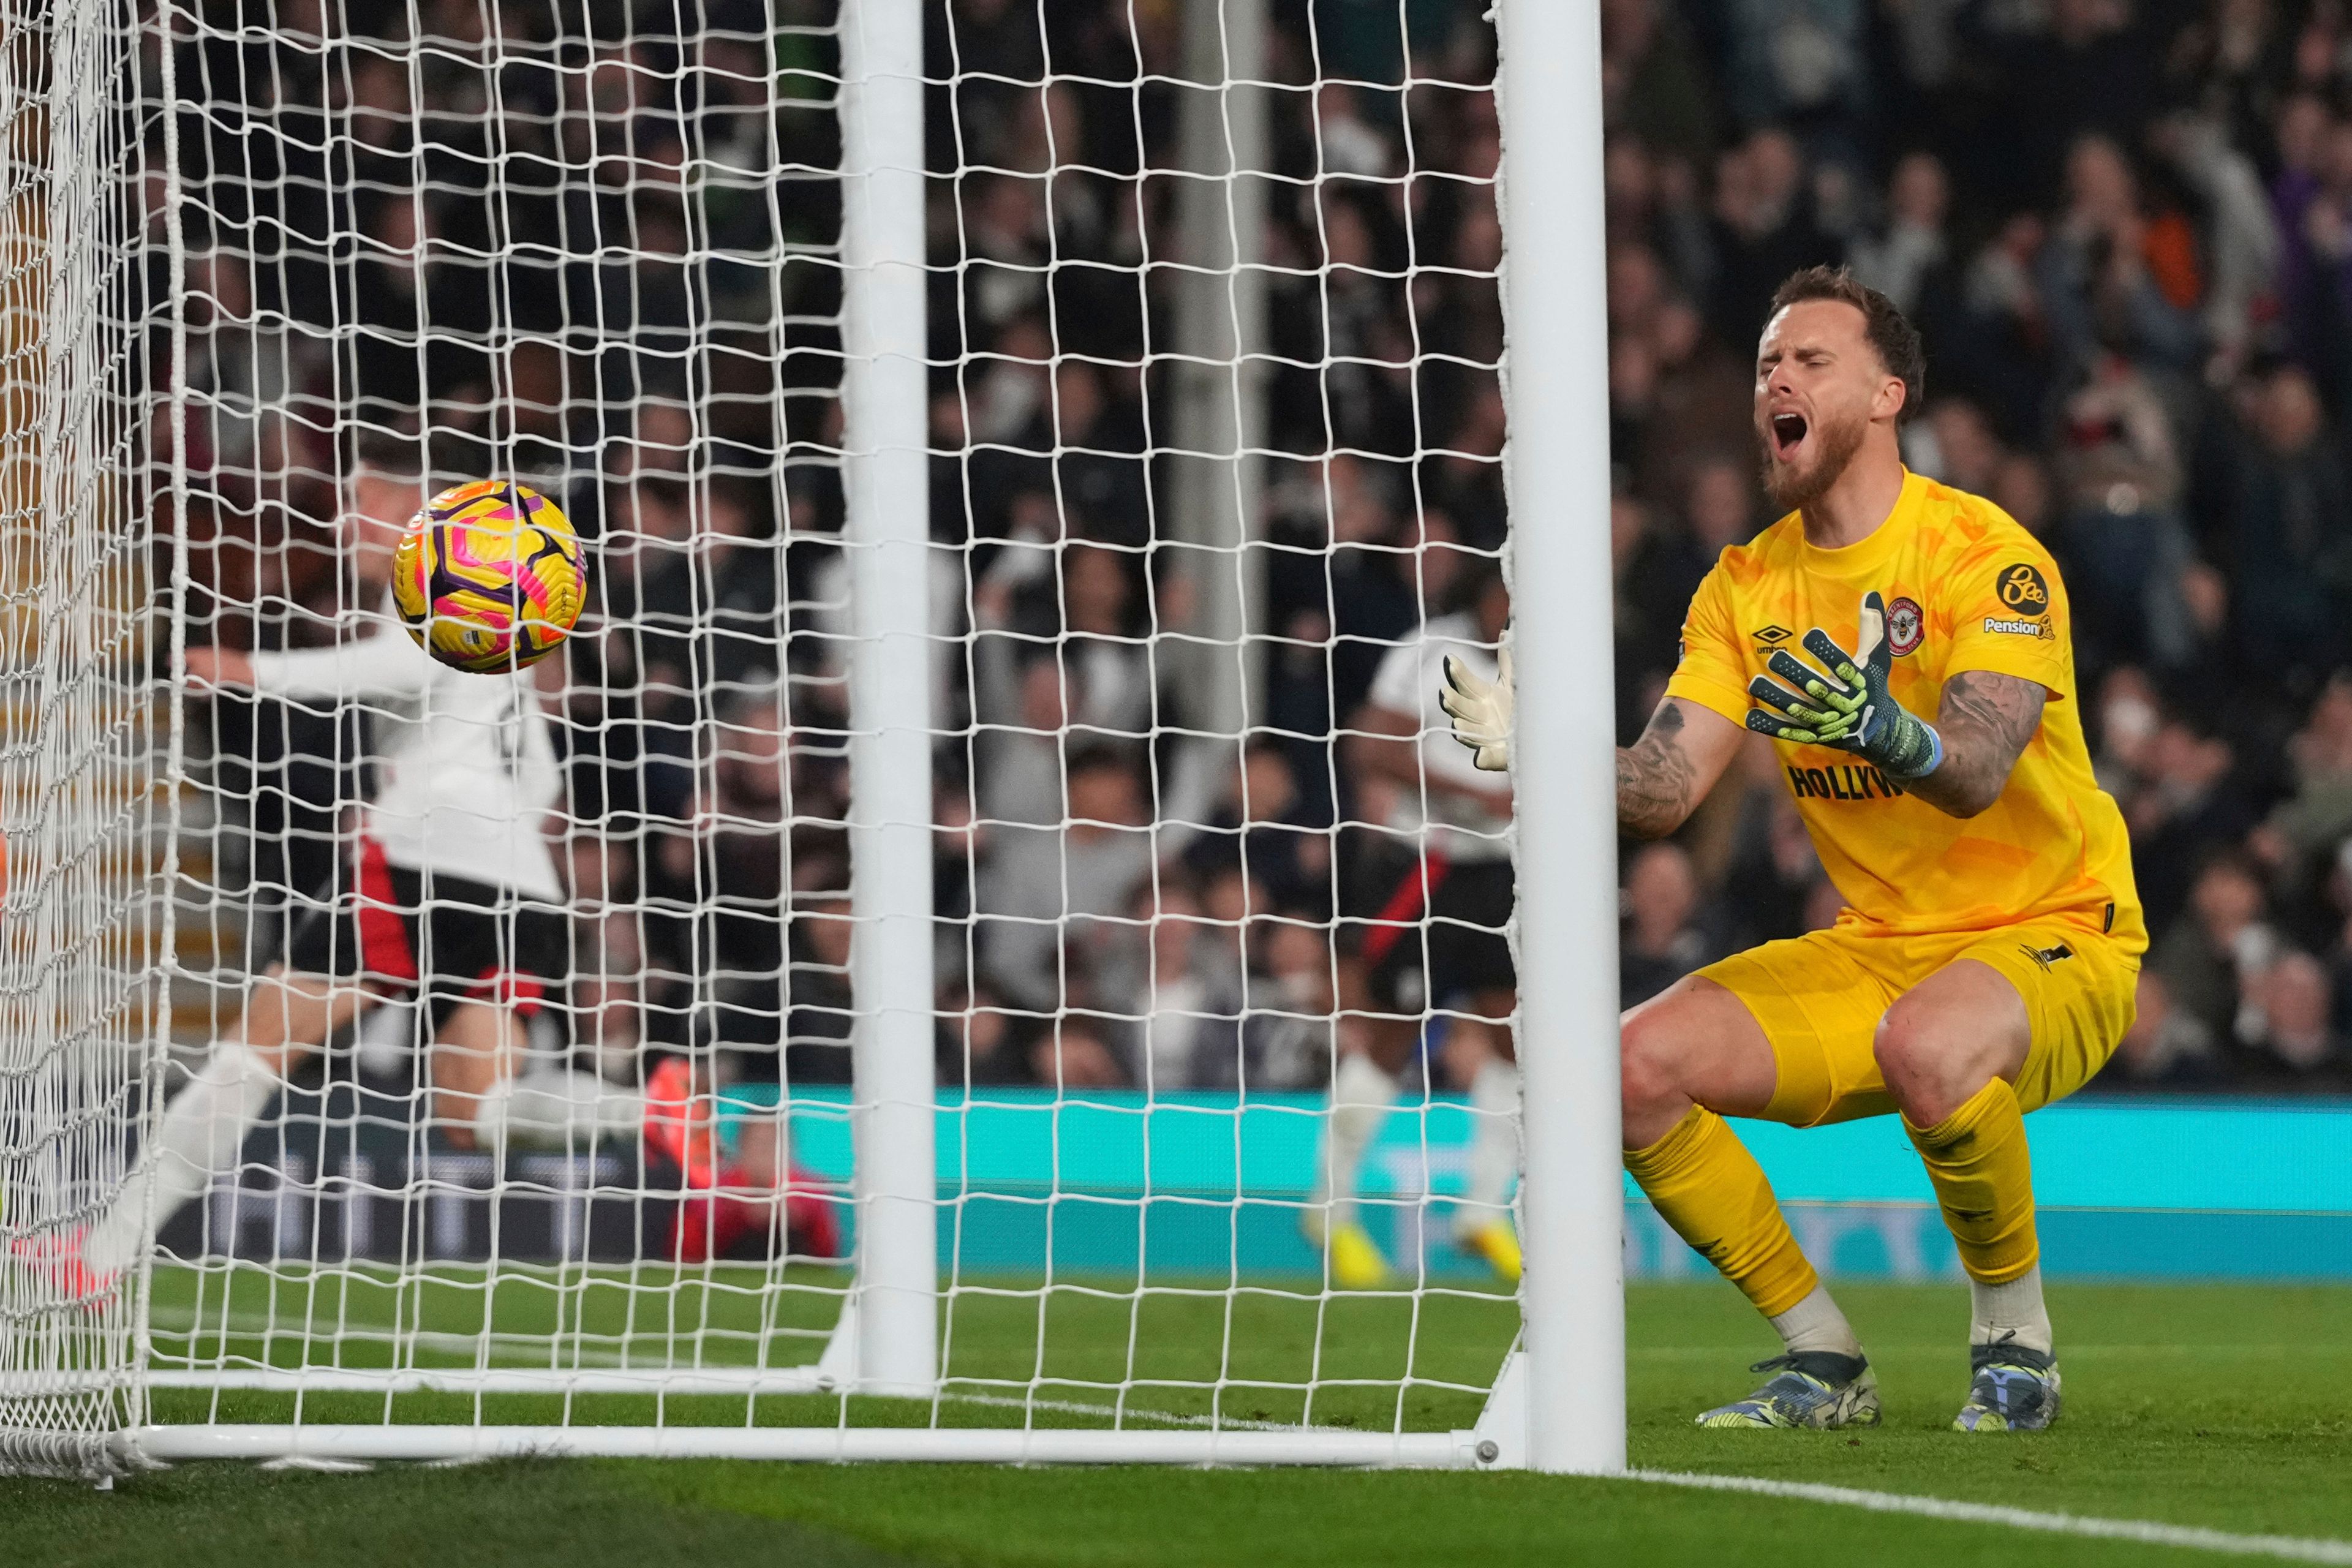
{"x": 1842, "y": 781}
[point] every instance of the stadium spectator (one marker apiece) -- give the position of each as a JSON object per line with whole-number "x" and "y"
{"x": 1958, "y": 442}
{"x": 2287, "y": 1025}
{"x": 2109, "y": 278}
{"x": 2298, "y": 843}
{"x": 2165, "y": 1048}
{"x": 1770, "y": 873}
{"x": 1700, "y": 403}
{"x": 1909, "y": 261}
{"x": 1287, "y": 1033}
{"x": 815, "y": 992}
{"x": 2000, "y": 351}
{"x": 2290, "y": 526}
{"x": 1660, "y": 943}
{"x": 2122, "y": 537}
{"x": 1653, "y": 88}
{"x": 2021, "y": 488}
{"x": 1040, "y": 887}
{"x": 1070, "y": 1054}
{"x": 1173, "y": 984}
{"x": 1263, "y": 832}
{"x": 1657, "y": 564}
{"x": 1764, "y": 229}
{"x": 2184, "y": 804}
{"x": 979, "y": 1044}
{"x": 2236, "y": 240}
{"x": 2213, "y": 958}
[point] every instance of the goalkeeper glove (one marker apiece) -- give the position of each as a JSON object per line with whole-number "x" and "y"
{"x": 1481, "y": 710}
{"x": 1848, "y": 708}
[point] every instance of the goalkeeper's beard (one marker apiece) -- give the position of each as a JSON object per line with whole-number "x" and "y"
{"x": 1793, "y": 487}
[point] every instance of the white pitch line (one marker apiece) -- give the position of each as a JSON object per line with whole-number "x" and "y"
{"x": 2075, "y": 1351}
{"x": 2148, "y": 1532}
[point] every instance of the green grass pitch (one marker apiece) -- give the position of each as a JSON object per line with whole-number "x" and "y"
{"x": 2228, "y": 1407}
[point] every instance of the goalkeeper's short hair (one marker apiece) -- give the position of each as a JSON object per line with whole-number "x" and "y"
{"x": 1890, "y": 331}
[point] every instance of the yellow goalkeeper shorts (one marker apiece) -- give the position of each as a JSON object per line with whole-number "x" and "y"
{"x": 1819, "y": 997}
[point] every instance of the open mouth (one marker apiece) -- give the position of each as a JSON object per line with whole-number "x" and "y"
{"x": 1788, "y": 433}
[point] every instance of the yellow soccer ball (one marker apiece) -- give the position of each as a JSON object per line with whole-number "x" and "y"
{"x": 490, "y": 576}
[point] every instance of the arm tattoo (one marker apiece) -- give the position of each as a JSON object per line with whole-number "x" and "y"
{"x": 1653, "y": 777}
{"x": 1986, "y": 721}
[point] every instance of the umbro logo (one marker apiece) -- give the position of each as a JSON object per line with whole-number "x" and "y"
{"x": 1772, "y": 636}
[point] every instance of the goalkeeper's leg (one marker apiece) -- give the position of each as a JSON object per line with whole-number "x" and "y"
{"x": 1691, "y": 1055}
{"x": 288, "y": 1016}
{"x": 1950, "y": 1050}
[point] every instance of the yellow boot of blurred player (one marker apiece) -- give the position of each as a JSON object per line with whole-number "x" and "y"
{"x": 1354, "y": 1260}
{"x": 1497, "y": 1243}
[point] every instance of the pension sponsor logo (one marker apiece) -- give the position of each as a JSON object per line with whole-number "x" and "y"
{"x": 1842, "y": 781}
{"x": 2016, "y": 629}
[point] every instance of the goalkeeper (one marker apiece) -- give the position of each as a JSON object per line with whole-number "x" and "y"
{"x": 1906, "y": 648}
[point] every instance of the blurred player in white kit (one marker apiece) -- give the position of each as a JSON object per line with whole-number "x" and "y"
{"x": 1432, "y": 918}
{"x": 446, "y": 895}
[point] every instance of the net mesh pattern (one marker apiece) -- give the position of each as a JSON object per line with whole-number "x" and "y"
{"x": 84, "y": 798}
{"x": 1214, "y": 431}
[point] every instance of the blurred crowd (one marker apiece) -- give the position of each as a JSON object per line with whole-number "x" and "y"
{"x": 2124, "y": 228}
{"x": 570, "y": 241}
{"x": 574, "y": 240}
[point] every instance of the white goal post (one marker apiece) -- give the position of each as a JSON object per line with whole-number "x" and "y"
{"x": 995, "y": 431}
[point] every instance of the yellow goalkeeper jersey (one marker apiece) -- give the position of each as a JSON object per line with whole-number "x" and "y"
{"x": 1965, "y": 589}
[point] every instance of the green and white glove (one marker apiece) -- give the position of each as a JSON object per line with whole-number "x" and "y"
{"x": 1847, "y": 707}
{"x": 1481, "y": 710}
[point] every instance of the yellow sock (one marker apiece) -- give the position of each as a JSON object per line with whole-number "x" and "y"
{"x": 1983, "y": 1174}
{"x": 1711, "y": 1189}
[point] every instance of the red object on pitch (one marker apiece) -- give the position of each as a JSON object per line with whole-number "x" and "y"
{"x": 814, "y": 1222}
{"x": 56, "y": 1257}
{"x": 715, "y": 1213}
{"x": 678, "y": 1122}
{"x": 709, "y": 1223}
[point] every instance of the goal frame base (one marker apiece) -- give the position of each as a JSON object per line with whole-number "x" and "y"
{"x": 1049, "y": 1445}
{"x": 1498, "y": 1442}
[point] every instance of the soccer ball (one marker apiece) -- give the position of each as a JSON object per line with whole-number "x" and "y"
{"x": 490, "y": 576}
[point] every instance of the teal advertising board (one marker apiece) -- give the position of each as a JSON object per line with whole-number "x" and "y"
{"x": 1202, "y": 1184}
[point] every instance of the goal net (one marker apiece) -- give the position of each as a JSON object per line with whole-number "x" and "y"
{"x": 978, "y": 946}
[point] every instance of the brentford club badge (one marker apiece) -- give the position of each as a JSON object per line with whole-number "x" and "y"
{"x": 1904, "y": 625}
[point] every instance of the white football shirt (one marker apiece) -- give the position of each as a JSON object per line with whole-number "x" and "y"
{"x": 1407, "y": 682}
{"x": 465, "y": 765}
